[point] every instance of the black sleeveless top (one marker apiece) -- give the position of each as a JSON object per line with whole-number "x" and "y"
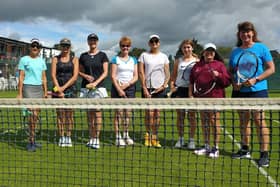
{"x": 64, "y": 72}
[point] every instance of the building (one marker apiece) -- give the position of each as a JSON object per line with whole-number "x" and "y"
{"x": 10, "y": 52}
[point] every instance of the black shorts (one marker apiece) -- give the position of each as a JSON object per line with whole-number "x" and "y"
{"x": 181, "y": 92}
{"x": 258, "y": 94}
{"x": 162, "y": 94}
{"x": 129, "y": 92}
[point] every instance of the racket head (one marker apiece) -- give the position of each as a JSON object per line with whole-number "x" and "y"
{"x": 204, "y": 83}
{"x": 187, "y": 71}
{"x": 157, "y": 77}
{"x": 247, "y": 66}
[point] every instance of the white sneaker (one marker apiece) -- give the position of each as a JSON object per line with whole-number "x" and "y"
{"x": 68, "y": 141}
{"x": 180, "y": 143}
{"x": 90, "y": 143}
{"x": 128, "y": 140}
{"x": 201, "y": 151}
{"x": 95, "y": 144}
{"x": 214, "y": 153}
{"x": 191, "y": 144}
{"x": 61, "y": 142}
{"x": 120, "y": 142}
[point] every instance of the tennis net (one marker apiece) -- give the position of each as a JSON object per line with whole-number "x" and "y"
{"x": 137, "y": 164}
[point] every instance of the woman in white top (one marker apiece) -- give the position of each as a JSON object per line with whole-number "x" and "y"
{"x": 124, "y": 75}
{"x": 179, "y": 84}
{"x": 149, "y": 63}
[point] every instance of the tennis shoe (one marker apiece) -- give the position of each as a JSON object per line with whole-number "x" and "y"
{"x": 242, "y": 153}
{"x": 68, "y": 141}
{"x": 156, "y": 143}
{"x": 37, "y": 145}
{"x": 202, "y": 151}
{"x": 62, "y": 141}
{"x": 120, "y": 142}
{"x": 147, "y": 138}
{"x": 191, "y": 145}
{"x": 180, "y": 143}
{"x": 263, "y": 161}
{"x": 214, "y": 153}
{"x": 90, "y": 143}
{"x": 95, "y": 144}
{"x": 128, "y": 140}
{"x": 31, "y": 147}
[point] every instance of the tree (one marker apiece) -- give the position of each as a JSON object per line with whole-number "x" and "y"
{"x": 136, "y": 52}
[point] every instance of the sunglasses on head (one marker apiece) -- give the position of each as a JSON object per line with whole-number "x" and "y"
{"x": 35, "y": 46}
{"x": 123, "y": 46}
{"x": 154, "y": 40}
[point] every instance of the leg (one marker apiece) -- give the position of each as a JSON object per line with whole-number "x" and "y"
{"x": 60, "y": 120}
{"x": 192, "y": 122}
{"x": 98, "y": 120}
{"x": 180, "y": 127}
{"x": 263, "y": 135}
{"x": 180, "y": 122}
{"x": 216, "y": 127}
{"x": 205, "y": 122}
{"x": 155, "y": 127}
{"x": 245, "y": 130}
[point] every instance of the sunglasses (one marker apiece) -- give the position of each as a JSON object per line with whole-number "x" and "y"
{"x": 36, "y": 46}
{"x": 123, "y": 46}
{"x": 65, "y": 46}
{"x": 154, "y": 40}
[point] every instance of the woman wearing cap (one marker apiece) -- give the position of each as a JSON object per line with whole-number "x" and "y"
{"x": 65, "y": 71}
{"x": 94, "y": 70}
{"x": 124, "y": 75}
{"x": 148, "y": 62}
{"x": 256, "y": 87}
{"x": 210, "y": 62}
{"x": 180, "y": 88}
{"x": 32, "y": 84}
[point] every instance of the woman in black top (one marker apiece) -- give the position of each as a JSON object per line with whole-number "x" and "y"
{"x": 94, "y": 70}
{"x": 65, "y": 71}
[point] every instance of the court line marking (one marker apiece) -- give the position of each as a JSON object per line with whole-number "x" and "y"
{"x": 262, "y": 171}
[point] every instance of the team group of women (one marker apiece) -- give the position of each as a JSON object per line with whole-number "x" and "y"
{"x": 152, "y": 65}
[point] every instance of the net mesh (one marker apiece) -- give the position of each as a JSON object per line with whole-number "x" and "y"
{"x": 133, "y": 165}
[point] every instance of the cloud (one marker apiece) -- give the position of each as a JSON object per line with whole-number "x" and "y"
{"x": 174, "y": 20}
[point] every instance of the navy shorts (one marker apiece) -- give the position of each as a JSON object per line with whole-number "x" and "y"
{"x": 258, "y": 94}
{"x": 129, "y": 92}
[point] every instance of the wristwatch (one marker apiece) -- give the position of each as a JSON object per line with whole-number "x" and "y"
{"x": 257, "y": 79}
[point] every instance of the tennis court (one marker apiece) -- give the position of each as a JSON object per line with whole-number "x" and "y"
{"x": 135, "y": 165}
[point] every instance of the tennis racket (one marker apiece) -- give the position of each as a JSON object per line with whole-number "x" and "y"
{"x": 156, "y": 79}
{"x": 187, "y": 71}
{"x": 247, "y": 67}
{"x": 204, "y": 83}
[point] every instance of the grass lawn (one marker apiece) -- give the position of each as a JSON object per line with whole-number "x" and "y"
{"x": 131, "y": 166}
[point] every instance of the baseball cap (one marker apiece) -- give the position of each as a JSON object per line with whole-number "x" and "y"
{"x": 65, "y": 41}
{"x": 154, "y": 36}
{"x": 92, "y": 36}
{"x": 209, "y": 45}
{"x": 35, "y": 40}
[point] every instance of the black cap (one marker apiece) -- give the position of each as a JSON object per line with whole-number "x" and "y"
{"x": 65, "y": 41}
{"x": 92, "y": 36}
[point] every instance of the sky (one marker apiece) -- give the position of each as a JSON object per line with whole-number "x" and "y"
{"x": 173, "y": 20}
